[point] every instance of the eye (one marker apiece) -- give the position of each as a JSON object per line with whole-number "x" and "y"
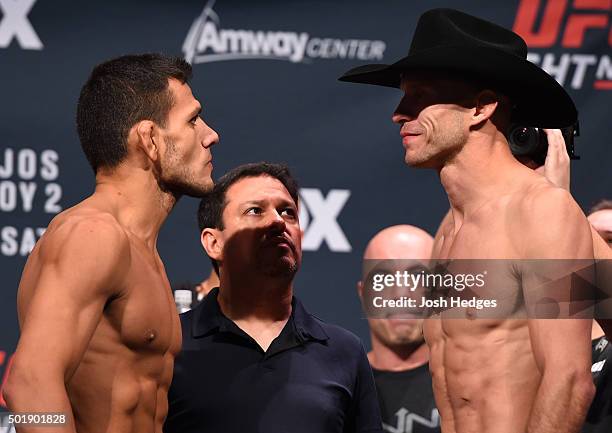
{"x": 289, "y": 211}
{"x": 253, "y": 211}
{"x": 194, "y": 119}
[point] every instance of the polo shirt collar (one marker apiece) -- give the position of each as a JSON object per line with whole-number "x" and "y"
{"x": 305, "y": 324}
{"x": 208, "y": 319}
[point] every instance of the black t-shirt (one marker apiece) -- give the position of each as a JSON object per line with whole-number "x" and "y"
{"x": 599, "y": 417}
{"x": 406, "y": 401}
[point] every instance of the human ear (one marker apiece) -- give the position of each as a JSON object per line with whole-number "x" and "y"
{"x": 147, "y": 137}
{"x": 211, "y": 242}
{"x": 486, "y": 104}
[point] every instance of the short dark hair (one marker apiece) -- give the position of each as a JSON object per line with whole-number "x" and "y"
{"x": 604, "y": 204}
{"x": 120, "y": 93}
{"x": 210, "y": 211}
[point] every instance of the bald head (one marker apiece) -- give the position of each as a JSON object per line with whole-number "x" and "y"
{"x": 400, "y": 242}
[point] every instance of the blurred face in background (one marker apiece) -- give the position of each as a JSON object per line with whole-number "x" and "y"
{"x": 398, "y": 248}
{"x": 602, "y": 223}
{"x": 394, "y": 327}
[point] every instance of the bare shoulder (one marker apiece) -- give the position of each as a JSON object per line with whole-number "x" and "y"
{"x": 551, "y": 222}
{"x": 548, "y": 206}
{"x": 86, "y": 227}
{"x": 87, "y": 240}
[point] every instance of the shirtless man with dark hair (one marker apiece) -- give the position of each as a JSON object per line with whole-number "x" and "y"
{"x": 99, "y": 328}
{"x": 463, "y": 81}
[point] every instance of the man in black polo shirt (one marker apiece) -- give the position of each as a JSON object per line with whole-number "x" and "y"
{"x": 253, "y": 359}
{"x": 399, "y": 355}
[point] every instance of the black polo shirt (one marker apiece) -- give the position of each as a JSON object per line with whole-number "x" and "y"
{"x": 314, "y": 378}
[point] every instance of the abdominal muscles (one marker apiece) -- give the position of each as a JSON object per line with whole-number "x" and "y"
{"x": 488, "y": 373}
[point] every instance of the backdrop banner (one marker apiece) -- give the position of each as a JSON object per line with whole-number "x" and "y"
{"x": 266, "y": 75}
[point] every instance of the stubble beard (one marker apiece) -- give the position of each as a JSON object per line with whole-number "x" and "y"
{"x": 413, "y": 337}
{"x": 280, "y": 268}
{"x": 177, "y": 179}
{"x": 442, "y": 145}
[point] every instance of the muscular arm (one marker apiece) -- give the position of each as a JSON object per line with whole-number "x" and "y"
{"x": 557, "y": 170}
{"x": 555, "y": 228}
{"x": 79, "y": 267}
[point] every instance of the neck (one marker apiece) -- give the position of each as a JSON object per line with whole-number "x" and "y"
{"x": 139, "y": 204}
{"x": 397, "y": 358}
{"x": 478, "y": 173}
{"x": 249, "y": 298}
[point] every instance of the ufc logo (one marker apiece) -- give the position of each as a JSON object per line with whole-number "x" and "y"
{"x": 15, "y": 24}
{"x": 578, "y": 22}
{"x": 319, "y": 219}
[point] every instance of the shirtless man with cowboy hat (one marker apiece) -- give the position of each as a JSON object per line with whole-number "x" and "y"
{"x": 465, "y": 80}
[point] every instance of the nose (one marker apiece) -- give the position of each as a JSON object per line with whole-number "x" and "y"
{"x": 276, "y": 222}
{"x": 210, "y": 137}
{"x": 403, "y": 112}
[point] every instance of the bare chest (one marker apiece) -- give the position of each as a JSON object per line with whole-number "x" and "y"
{"x": 489, "y": 236}
{"x": 483, "y": 258}
{"x": 144, "y": 318}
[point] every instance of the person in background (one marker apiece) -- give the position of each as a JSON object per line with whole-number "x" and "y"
{"x": 601, "y": 220}
{"x": 253, "y": 358}
{"x": 599, "y": 417}
{"x": 187, "y": 294}
{"x": 204, "y": 287}
{"x": 399, "y": 355}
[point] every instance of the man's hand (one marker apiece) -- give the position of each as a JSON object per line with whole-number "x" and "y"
{"x": 556, "y": 168}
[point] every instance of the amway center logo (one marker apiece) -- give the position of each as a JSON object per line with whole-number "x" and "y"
{"x": 208, "y": 42}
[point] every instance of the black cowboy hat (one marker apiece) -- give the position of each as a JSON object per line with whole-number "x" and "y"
{"x": 453, "y": 41}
